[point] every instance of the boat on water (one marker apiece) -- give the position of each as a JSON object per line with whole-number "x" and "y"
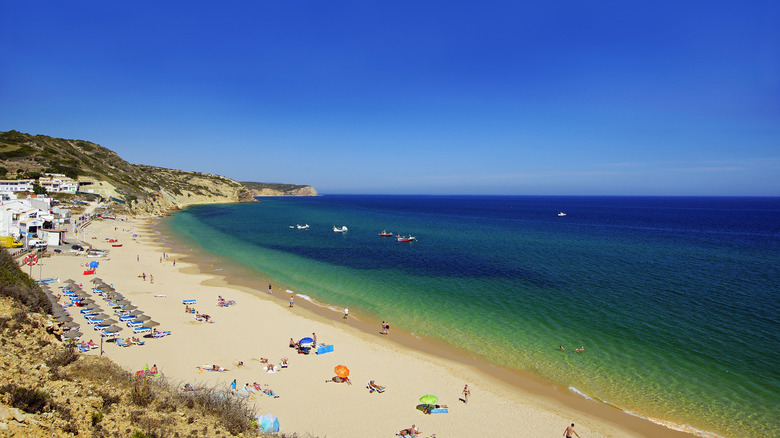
{"x": 303, "y": 227}
{"x": 385, "y": 234}
{"x": 561, "y": 214}
{"x": 342, "y": 229}
{"x": 400, "y": 238}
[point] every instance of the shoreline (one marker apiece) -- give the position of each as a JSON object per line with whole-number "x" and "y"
{"x": 502, "y": 400}
{"x": 203, "y": 263}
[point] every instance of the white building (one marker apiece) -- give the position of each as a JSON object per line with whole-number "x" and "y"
{"x": 58, "y": 184}
{"x": 16, "y": 185}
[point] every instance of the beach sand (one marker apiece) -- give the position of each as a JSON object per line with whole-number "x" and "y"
{"x": 502, "y": 403}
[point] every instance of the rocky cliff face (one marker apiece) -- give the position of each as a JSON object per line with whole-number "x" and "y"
{"x": 145, "y": 190}
{"x": 302, "y": 191}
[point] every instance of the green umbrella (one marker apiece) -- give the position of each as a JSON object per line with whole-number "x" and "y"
{"x": 429, "y": 399}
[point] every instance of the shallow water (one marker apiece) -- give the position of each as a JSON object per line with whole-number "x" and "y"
{"x": 674, "y": 299}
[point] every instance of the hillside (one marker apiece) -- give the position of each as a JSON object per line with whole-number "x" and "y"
{"x": 269, "y": 189}
{"x": 48, "y": 389}
{"x": 143, "y": 189}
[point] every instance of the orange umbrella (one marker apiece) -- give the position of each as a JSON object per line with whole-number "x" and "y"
{"x": 341, "y": 371}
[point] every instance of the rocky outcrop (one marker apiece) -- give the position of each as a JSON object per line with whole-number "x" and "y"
{"x": 269, "y": 189}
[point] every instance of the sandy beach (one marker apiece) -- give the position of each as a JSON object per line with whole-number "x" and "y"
{"x": 259, "y": 325}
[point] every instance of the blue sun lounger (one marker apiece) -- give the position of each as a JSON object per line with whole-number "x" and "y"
{"x": 141, "y": 330}
{"x": 326, "y": 349}
{"x": 126, "y": 318}
{"x": 189, "y": 301}
{"x": 134, "y": 324}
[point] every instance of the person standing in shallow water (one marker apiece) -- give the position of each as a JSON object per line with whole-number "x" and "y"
{"x": 346, "y": 313}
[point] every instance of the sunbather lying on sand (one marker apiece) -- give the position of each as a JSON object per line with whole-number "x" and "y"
{"x": 338, "y": 379}
{"x": 188, "y": 387}
{"x": 374, "y": 387}
{"x": 412, "y": 431}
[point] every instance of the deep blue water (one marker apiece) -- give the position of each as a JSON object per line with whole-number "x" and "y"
{"x": 675, "y": 299}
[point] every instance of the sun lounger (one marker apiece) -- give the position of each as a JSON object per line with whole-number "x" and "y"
{"x": 189, "y": 301}
{"x": 88, "y": 310}
{"x": 134, "y": 324}
{"x": 325, "y": 349}
{"x": 142, "y": 330}
{"x": 438, "y": 411}
{"x": 161, "y": 334}
{"x": 83, "y": 349}
{"x": 100, "y": 327}
{"x": 109, "y": 335}
{"x": 126, "y": 318}
{"x": 121, "y": 343}
{"x": 375, "y": 387}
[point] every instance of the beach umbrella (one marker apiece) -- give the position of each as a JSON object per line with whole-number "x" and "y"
{"x": 100, "y": 316}
{"x": 269, "y": 423}
{"x": 64, "y": 318}
{"x": 150, "y": 324}
{"x": 429, "y": 399}
{"x": 112, "y": 329}
{"x": 142, "y": 318}
{"x": 306, "y": 341}
{"x": 72, "y": 334}
{"x": 135, "y": 312}
{"x": 341, "y": 371}
{"x": 72, "y": 281}
{"x": 123, "y": 302}
{"x": 70, "y": 325}
{"x": 108, "y": 321}
{"x": 93, "y": 264}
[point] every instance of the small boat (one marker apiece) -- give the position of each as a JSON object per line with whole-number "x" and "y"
{"x": 47, "y": 280}
{"x": 400, "y": 238}
{"x": 561, "y": 214}
{"x": 343, "y": 229}
{"x": 116, "y": 245}
{"x": 386, "y": 234}
{"x": 303, "y": 227}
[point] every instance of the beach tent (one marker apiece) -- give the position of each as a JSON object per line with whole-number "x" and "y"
{"x": 268, "y": 423}
{"x": 306, "y": 342}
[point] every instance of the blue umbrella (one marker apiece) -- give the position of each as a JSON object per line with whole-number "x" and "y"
{"x": 306, "y": 341}
{"x": 93, "y": 264}
{"x": 269, "y": 423}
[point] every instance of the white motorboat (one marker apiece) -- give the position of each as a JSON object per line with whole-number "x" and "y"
{"x": 561, "y": 214}
{"x": 342, "y": 229}
{"x": 303, "y": 227}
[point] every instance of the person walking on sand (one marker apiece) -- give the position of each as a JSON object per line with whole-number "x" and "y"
{"x": 466, "y": 394}
{"x": 569, "y": 431}
{"x": 270, "y": 291}
{"x": 346, "y": 313}
{"x": 292, "y": 301}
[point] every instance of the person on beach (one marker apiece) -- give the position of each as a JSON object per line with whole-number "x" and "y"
{"x": 387, "y": 328}
{"x": 233, "y": 385}
{"x": 151, "y": 278}
{"x": 293, "y": 344}
{"x": 410, "y": 431}
{"x": 292, "y": 301}
{"x": 466, "y": 394}
{"x": 270, "y": 291}
{"x": 314, "y": 338}
{"x": 382, "y": 332}
{"x": 346, "y": 313}
{"x": 569, "y": 431}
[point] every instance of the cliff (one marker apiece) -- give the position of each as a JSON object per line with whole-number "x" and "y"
{"x": 143, "y": 189}
{"x": 268, "y": 189}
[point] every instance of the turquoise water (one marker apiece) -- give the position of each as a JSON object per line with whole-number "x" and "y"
{"x": 674, "y": 299}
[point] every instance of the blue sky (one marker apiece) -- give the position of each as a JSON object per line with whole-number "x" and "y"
{"x": 492, "y": 97}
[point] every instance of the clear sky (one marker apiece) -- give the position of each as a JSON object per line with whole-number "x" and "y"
{"x": 412, "y": 97}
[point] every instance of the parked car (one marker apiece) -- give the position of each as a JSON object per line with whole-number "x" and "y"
{"x": 34, "y": 243}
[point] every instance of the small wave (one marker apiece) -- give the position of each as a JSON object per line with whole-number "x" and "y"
{"x": 305, "y": 297}
{"x": 577, "y": 391}
{"x": 676, "y": 426}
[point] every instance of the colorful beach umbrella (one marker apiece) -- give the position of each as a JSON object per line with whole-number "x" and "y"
{"x": 429, "y": 399}
{"x": 341, "y": 371}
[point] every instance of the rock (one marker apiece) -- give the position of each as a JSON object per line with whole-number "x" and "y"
{"x": 20, "y": 416}
{"x": 6, "y": 412}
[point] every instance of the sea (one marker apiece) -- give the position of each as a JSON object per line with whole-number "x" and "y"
{"x": 674, "y": 299}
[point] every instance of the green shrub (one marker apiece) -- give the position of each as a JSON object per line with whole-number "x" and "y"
{"x": 29, "y": 400}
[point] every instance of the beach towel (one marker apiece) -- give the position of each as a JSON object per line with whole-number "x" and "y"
{"x": 326, "y": 349}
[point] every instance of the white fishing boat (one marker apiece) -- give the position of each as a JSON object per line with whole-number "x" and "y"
{"x": 342, "y": 229}
{"x": 561, "y": 214}
{"x": 303, "y": 227}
